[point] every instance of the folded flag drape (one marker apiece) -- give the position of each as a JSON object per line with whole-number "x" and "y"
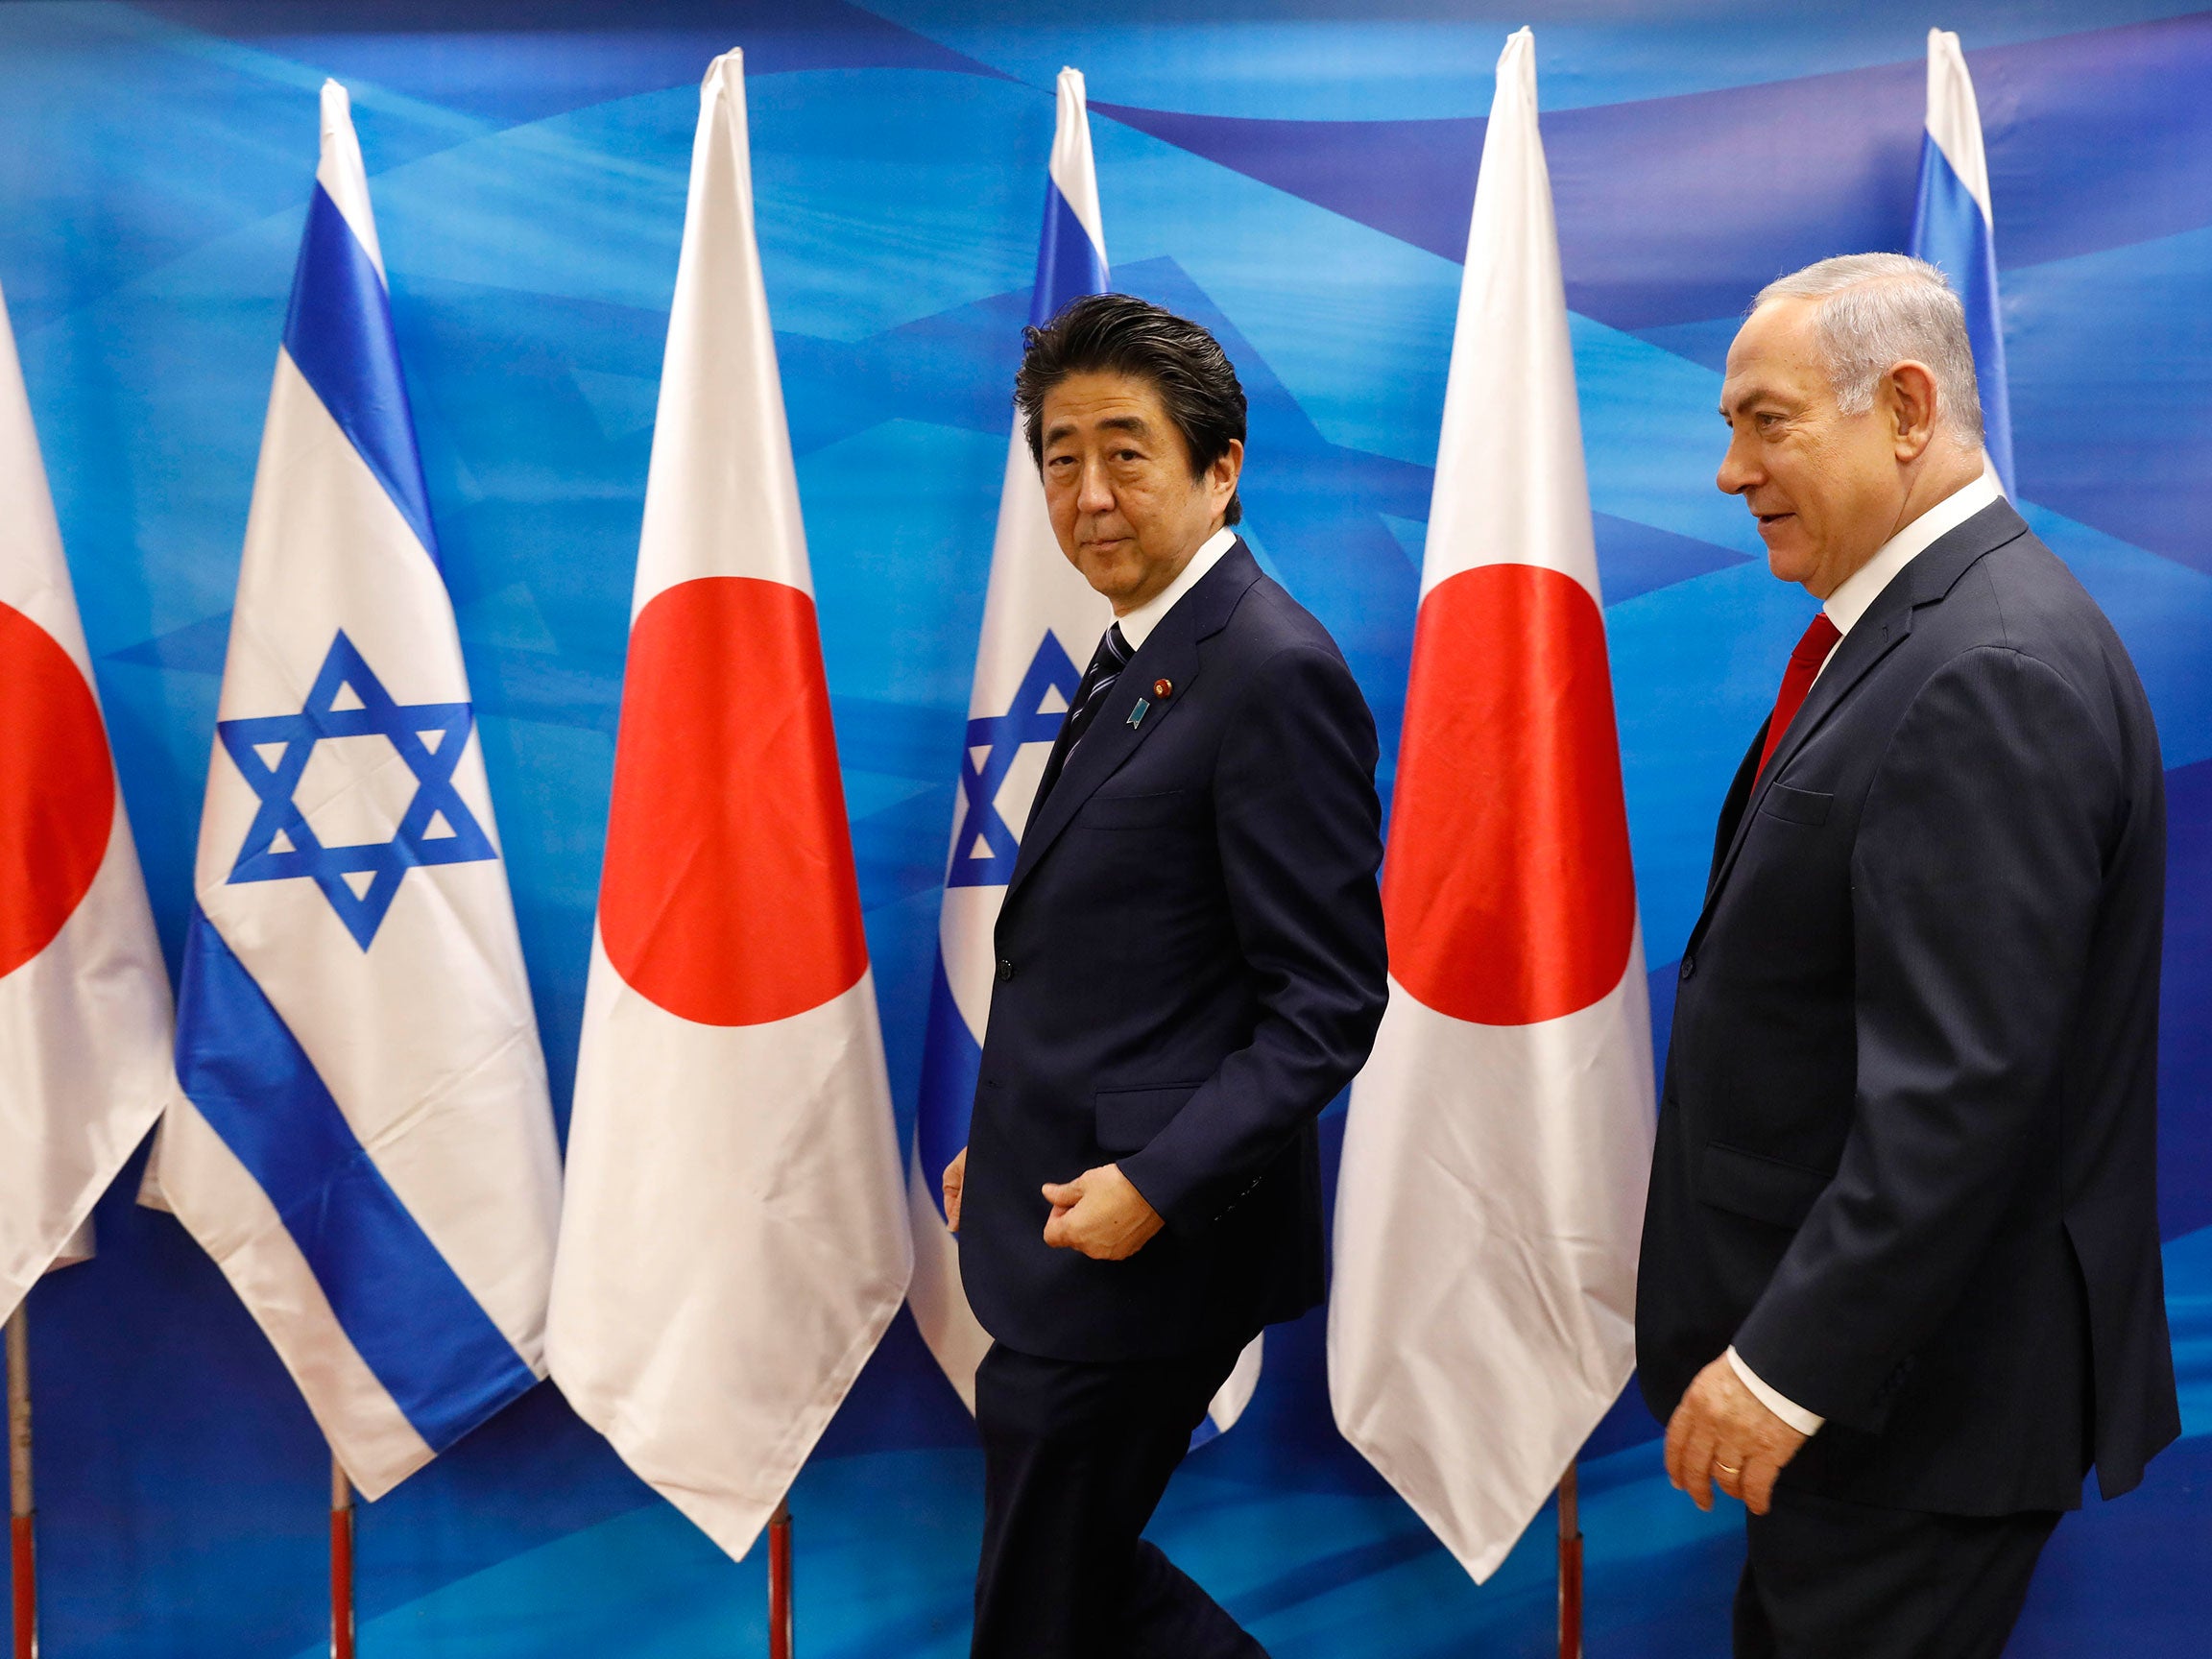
{"x": 1040, "y": 623}
{"x": 1955, "y": 228}
{"x": 735, "y": 1234}
{"x": 84, "y": 1014}
{"x": 362, "y": 1138}
{"x": 1492, "y": 1187}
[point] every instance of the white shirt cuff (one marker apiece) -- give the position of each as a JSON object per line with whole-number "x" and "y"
{"x": 1789, "y": 1410}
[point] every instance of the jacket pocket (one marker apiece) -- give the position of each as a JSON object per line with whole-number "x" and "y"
{"x": 1136, "y": 811}
{"x": 1751, "y": 1183}
{"x": 1795, "y": 805}
{"x": 1129, "y": 1117}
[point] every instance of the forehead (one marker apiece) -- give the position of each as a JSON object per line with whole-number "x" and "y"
{"x": 1776, "y": 355}
{"x": 1096, "y": 399}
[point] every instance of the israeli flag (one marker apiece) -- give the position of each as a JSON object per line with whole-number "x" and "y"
{"x": 362, "y": 1136}
{"x": 1955, "y": 229}
{"x": 1040, "y": 623}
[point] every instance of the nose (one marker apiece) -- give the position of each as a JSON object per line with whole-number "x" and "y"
{"x": 1739, "y": 470}
{"x": 1093, "y": 492}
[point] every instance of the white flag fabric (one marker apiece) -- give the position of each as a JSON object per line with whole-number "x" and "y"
{"x": 85, "y": 1017}
{"x": 1491, "y": 1193}
{"x": 363, "y": 1141}
{"x": 1040, "y": 623}
{"x": 1954, "y": 227}
{"x": 734, "y": 1240}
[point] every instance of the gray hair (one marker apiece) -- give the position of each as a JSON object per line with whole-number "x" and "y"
{"x": 1874, "y": 311}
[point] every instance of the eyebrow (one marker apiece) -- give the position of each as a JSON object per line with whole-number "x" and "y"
{"x": 1136, "y": 425}
{"x": 1755, "y": 394}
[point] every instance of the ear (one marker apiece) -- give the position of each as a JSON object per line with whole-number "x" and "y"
{"x": 1911, "y": 397}
{"x": 1221, "y": 477}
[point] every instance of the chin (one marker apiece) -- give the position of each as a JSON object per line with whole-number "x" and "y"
{"x": 1788, "y": 564}
{"x": 1111, "y": 577}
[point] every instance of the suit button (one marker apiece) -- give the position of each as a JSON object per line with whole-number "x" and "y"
{"x": 1005, "y": 969}
{"x": 1688, "y": 967}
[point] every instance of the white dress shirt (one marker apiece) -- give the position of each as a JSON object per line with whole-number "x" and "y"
{"x": 1853, "y": 597}
{"x": 1137, "y": 624}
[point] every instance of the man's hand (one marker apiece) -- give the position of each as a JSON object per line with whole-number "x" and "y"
{"x": 1721, "y": 1436}
{"x": 1099, "y": 1214}
{"x": 955, "y": 1177}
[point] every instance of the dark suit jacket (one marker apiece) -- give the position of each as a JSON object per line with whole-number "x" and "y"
{"x": 1908, "y": 1136}
{"x": 1190, "y": 968}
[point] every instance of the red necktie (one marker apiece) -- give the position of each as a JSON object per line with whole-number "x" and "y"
{"x": 1813, "y": 648}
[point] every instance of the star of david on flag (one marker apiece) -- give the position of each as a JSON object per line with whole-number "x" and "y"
{"x": 361, "y": 879}
{"x": 984, "y": 845}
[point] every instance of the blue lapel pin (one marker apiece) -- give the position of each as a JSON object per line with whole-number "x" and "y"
{"x": 1136, "y": 714}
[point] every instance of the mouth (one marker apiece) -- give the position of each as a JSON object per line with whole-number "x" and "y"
{"x": 1770, "y": 520}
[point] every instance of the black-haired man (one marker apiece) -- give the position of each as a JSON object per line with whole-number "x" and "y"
{"x": 1190, "y": 966}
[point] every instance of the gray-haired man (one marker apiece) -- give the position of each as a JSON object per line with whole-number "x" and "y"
{"x": 1901, "y": 1283}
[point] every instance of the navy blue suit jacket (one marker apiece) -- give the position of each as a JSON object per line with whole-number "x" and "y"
{"x": 1907, "y": 1158}
{"x": 1190, "y": 967}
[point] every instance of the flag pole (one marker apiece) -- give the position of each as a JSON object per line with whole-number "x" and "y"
{"x": 1569, "y": 1568}
{"x": 779, "y": 1583}
{"x": 341, "y": 1561}
{"x": 20, "y": 1508}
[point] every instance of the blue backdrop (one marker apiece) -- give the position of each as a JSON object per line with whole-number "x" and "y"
{"x": 1297, "y": 176}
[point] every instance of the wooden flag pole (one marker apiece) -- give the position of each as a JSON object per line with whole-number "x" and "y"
{"x": 20, "y": 1507}
{"x": 1569, "y": 1568}
{"x": 779, "y": 1620}
{"x": 341, "y": 1561}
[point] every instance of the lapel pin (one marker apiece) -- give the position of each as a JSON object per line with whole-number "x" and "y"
{"x": 1136, "y": 714}
{"x": 1163, "y": 689}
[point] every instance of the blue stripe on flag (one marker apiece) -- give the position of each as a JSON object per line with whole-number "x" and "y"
{"x": 952, "y": 1061}
{"x": 445, "y": 1365}
{"x": 1950, "y": 232}
{"x": 339, "y": 335}
{"x": 1068, "y": 262}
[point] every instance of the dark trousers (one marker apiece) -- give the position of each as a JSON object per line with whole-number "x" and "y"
{"x": 1075, "y": 1457}
{"x": 1827, "y": 1580}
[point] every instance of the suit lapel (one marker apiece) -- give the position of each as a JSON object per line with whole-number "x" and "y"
{"x": 1171, "y": 652}
{"x": 1886, "y": 623}
{"x": 1732, "y": 807}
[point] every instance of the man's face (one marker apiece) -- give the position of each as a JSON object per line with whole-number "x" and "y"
{"x": 1826, "y": 487}
{"x": 1118, "y": 484}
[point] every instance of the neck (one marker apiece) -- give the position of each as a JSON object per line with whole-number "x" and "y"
{"x": 1936, "y": 480}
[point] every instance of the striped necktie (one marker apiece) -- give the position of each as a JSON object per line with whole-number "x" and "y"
{"x": 1106, "y": 665}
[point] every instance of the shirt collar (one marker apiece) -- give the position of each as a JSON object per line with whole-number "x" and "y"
{"x": 1139, "y": 622}
{"x": 1858, "y": 590}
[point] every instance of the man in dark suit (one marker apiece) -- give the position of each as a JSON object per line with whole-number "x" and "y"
{"x": 1190, "y": 966}
{"x": 1901, "y": 1282}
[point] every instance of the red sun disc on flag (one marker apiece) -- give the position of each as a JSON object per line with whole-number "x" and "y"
{"x": 57, "y": 788}
{"x": 1508, "y": 890}
{"x": 729, "y": 896}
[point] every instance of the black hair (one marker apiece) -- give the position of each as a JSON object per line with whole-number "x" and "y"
{"x": 1122, "y": 335}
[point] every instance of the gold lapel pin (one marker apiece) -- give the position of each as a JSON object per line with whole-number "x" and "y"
{"x": 1162, "y": 688}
